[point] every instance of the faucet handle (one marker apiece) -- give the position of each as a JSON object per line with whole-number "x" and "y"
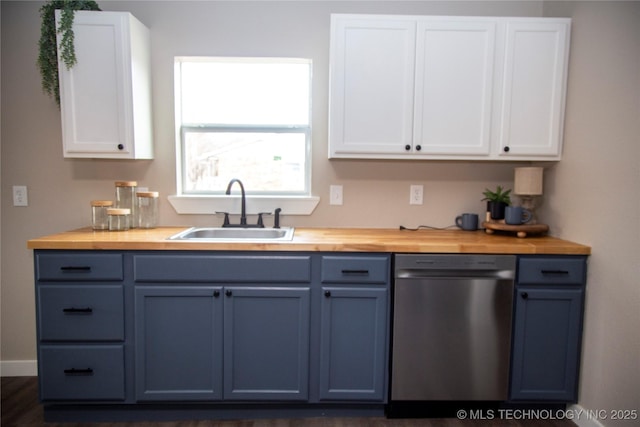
{"x": 225, "y": 223}
{"x": 260, "y": 222}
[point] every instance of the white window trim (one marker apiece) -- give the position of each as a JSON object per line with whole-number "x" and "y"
{"x": 210, "y": 204}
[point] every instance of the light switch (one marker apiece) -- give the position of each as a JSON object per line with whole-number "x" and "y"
{"x": 335, "y": 195}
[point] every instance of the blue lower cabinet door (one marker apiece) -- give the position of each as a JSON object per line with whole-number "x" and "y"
{"x": 81, "y": 372}
{"x": 178, "y": 343}
{"x": 546, "y": 344}
{"x": 353, "y": 356}
{"x": 266, "y": 343}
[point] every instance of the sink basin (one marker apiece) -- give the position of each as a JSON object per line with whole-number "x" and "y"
{"x": 218, "y": 234}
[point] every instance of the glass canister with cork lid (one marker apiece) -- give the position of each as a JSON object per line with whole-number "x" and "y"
{"x": 126, "y": 197}
{"x": 119, "y": 219}
{"x": 147, "y": 209}
{"x": 99, "y": 217}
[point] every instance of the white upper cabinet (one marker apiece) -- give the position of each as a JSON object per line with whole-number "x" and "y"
{"x": 105, "y": 99}
{"x": 426, "y": 87}
{"x": 533, "y": 88}
{"x": 372, "y": 85}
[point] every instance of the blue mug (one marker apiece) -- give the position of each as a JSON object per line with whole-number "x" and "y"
{"x": 467, "y": 221}
{"x": 516, "y": 215}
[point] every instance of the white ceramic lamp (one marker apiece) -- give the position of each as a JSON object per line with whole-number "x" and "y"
{"x": 528, "y": 186}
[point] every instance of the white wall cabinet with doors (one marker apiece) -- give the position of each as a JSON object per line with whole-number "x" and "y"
{"x": 428, "y": 87}
{"x": 105, "y": 99}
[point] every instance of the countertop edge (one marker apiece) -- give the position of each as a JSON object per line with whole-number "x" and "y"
{"x": 319, "y": 240}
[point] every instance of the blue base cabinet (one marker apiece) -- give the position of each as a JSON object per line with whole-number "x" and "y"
{"x": 222, "y": 326}
{"x": 353, "y": 328}
{"x": 547, "y": 332}
{"x": 128, "y": 331}
{"x": 80, "y": 314}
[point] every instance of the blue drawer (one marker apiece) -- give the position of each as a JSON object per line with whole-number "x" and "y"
{"x": 82, "y": 372}
{"x": 552, "y": 270}
{"x": 222, "y": 268}
{"x": 78, "y": 266}
{"x": 77, "y": 312}
{"x": 355, "y": 269}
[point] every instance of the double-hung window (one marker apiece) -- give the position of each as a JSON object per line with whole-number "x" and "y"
{"x": 245, "y": 118}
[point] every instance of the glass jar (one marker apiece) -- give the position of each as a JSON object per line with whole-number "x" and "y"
{"x": 119, "y": 219}
{"x": 99, "y": 218}
{"x": 147, "y": 208}
{"x": 126, "y": 197}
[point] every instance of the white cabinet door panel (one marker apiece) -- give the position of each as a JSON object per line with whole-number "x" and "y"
{"x": 534, "y": 86}
{"x": 372, "y": 85}
{"x": 454, "y": 87}
{"x": 90, "y": 110}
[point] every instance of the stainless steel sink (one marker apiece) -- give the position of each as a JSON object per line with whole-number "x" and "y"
{"x": 218, "y": 234}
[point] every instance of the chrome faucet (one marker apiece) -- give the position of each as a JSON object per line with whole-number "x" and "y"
{"x": 243, "y": 207}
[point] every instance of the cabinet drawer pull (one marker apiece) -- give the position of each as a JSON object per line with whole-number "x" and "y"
{"x": 78, "y": 372}
{"x": 355, "y": 272}
{"x": 555, "y": 272}
{"x": 75, "y": 268}
{"x": 75, "y": 310}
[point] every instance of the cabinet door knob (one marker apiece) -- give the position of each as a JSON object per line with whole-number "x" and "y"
{"x": 506, "y": 149}
{"x": 524, "y": 295}
{"x": 216, "y": 294}
{"x": 418, "y": 147}
{"x": 407, "y": 147}
{"x": 120, "y": 147}
{"x": 327, "y": 294}
{"x": 228, "y": 292}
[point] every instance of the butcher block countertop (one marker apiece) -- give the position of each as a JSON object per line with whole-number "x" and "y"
{"x": 320, "y": 239}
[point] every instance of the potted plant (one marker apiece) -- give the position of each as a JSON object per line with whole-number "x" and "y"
{"x": 48, "y": 45}
{"x": 497, "y": 201}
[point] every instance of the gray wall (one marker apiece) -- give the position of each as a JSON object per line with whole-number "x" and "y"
{"x": 595, "y": 194}
{"x": 591, "y": 196}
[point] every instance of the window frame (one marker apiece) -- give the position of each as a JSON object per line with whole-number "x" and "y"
{"x": 293, "y": 203}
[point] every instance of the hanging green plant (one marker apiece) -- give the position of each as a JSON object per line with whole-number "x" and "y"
{"x": 48, "y": 45}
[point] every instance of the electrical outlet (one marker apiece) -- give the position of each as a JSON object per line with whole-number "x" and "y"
{"x": 335, "y": 195}
{"x": 415, "y": 194}
{"x": 20, "y": 195}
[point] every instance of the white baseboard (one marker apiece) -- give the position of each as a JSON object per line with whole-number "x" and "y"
{"x": 583, "y": 417}
{"x": 19, "y": 368}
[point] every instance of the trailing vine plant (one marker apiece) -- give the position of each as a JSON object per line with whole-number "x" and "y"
{"x": 48, "y": 45}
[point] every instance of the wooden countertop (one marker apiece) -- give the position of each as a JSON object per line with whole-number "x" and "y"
{"x": 320, "y": 239}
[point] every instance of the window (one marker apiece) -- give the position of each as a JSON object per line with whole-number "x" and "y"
{"x": 245, "y": 118}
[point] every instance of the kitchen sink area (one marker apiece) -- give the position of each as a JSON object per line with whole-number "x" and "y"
{"x": 223, "y": 234}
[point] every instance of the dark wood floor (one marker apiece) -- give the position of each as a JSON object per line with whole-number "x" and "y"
{"x": 20, "y": 408}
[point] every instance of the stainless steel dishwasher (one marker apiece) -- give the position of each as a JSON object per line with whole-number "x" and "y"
{"x": 452, "y": 327}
